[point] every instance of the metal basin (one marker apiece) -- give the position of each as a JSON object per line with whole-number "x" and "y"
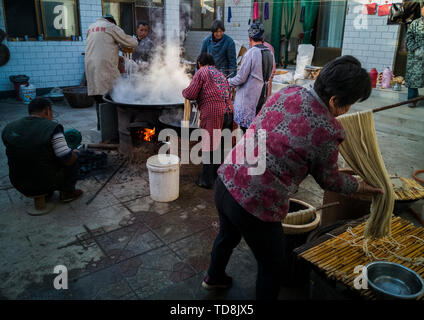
{"x": 393, "y": 280}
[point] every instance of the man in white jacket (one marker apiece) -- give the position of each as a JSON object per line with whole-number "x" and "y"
{"x": 104, "y": 40}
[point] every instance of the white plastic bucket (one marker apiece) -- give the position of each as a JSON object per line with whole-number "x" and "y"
{"x": 164, "y": 177}
{"x": 28, "y": 93}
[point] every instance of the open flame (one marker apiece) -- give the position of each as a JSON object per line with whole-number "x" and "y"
{"x": 146, "y": 134}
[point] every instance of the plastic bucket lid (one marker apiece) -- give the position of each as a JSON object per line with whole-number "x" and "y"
{"x": 163, "y": 162}
{"x": 19, "y": 78}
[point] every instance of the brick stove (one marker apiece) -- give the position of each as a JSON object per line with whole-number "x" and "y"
{"x": 139, "y": 125}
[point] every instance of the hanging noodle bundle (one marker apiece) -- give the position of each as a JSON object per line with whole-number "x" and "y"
{"x": 360, "y": 150}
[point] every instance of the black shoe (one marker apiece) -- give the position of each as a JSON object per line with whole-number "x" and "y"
{"x": 201, "y": 184}
{"x": 49, "y": 195}
{"x": 223, "y": 283}
{"x": 68, "y": 196}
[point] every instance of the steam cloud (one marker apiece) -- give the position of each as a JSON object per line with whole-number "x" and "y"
{"x": 162, "y": 82}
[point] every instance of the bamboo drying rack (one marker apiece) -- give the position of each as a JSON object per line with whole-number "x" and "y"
{"x": 411, "y": 190}
{"x": 338, "y": 259}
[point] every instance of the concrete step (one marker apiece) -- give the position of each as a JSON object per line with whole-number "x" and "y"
{"x": 390, "y": 94}
{"x": 403, "y": 117}
{"x": 401, "y": 121}
{"x": 399, "y": 131}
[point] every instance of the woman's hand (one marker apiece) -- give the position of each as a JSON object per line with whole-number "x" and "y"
{"x": 364, "y": 187}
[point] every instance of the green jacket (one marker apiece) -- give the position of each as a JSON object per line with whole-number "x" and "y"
{"x": 33, "y": 166}
{"x": 415, "y": 64}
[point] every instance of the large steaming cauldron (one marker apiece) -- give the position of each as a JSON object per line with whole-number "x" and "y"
{"x": 140, "y": 115}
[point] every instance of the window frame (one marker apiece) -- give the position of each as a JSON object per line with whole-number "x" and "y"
{"x": 41, "y": 25}
{"x": 203, "y": 28}
{"x": 132, "y": 2}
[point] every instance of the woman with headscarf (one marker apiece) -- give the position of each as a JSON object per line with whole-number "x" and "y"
{"x": 222, "y": 48}
{"x": 414, "y": 78}
{"x": 210, "y": 88}
{"x": 252, "y": 78}
{"x": 302, "y": 137}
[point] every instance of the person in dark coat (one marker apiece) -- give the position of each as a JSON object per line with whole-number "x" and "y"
{"x": 414, "y": 78}
{"x": 222, "y": 48}
{"x": 39, "y": 158}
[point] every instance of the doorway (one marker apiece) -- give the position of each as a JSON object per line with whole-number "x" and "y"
{"x": 329, "y": 31}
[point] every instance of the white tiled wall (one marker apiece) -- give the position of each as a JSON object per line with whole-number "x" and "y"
{"x": 239, "y": 25}
{"x": 193, "y": 43}
{"x": 369, "y": 38}
{"x": 50, "y": 63}
{"x": 172, "y": 21}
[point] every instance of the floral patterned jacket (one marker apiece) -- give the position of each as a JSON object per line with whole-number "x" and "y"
{"x": 302, "y": 137}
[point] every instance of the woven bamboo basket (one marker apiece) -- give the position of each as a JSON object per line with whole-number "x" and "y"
{"x": 303, "y": 221}
{"x": 78, "y": 97}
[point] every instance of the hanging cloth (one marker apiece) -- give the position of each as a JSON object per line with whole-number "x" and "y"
{"x": 369, "y": 9}
{"x": 202, "y": 4}
{"x": 229, "y": 14}
{"x": 384, "y": 10}
{"x": 302, "y": 14}
{"x": 255, "y": 11}
{"x": 219, "y": 13}
{"x": 310, "y": 17}
{"x": 266, "y": 11}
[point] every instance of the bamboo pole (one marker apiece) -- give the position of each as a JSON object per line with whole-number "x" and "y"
{"x": 397, "y": 104}
{"x": 187, "y": 113}
{"x": 103, "y": 146}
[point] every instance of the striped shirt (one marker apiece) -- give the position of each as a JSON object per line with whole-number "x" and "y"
{"x": 60, "y": 147}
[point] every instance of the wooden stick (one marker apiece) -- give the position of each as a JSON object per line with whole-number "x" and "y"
{"x": 104, "y": 184}
{"x": 397, "y": 104}
{"x": 328, "y": 205}
{"x": 187, "y": 113}
{"x": 103, "y": 146}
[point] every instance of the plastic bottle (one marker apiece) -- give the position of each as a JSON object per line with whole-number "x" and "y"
{"x": 387, "y": 78}
{"x": 374, "y": 76}
{"x": 28, "y": 93}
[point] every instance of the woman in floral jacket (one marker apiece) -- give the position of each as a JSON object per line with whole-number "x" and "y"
{"x": 302, "y": 137}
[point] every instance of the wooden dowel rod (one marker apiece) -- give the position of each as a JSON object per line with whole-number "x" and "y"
{"x": 398, "y": 104}
{"x": 328, "y": 205}
{"x": 103, "y": 146}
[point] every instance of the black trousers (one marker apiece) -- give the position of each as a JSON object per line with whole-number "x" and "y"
{"x": 71, "y": 174}
{"x": 99, "y": 100}
{"x": 265, "y": 239}
{"x": 65, "y": 180}
{"x": 209, "y": 171}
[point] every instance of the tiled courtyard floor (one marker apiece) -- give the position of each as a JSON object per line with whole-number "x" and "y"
{"x": 123, "y": 245}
